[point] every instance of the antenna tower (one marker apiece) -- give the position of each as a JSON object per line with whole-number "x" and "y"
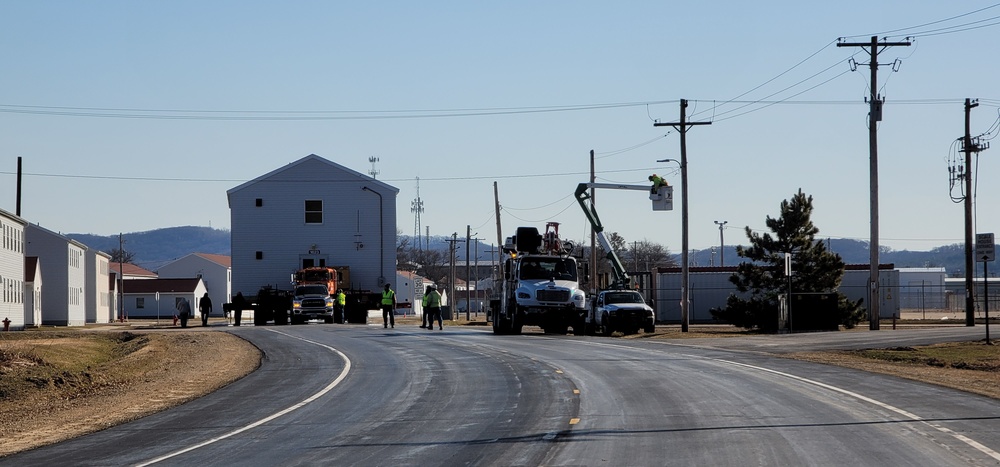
{"x": 373, "y": 172}
{"x": 417, "y": 207}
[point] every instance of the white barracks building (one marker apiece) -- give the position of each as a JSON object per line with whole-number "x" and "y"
{"x": 312, "y": 212}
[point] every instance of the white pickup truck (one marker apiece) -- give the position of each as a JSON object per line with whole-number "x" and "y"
{"x": 620, "y": 310}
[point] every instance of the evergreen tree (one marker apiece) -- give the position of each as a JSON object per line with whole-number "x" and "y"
{"x": 814, "y": 269}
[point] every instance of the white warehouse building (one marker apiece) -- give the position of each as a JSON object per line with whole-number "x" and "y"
{"x": 312, "y": 212}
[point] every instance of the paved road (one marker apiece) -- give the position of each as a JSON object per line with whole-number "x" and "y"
{"x": 360, "y": 395}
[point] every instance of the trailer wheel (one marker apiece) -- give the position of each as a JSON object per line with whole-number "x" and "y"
{"x": 280, "y": 317}
{"x": 515, "y": 323}
{"x": 500, "y": 325}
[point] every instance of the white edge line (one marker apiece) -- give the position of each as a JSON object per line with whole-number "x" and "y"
{"x": 328, "y": 388}
{"x": 968, "y": 441}
{"x": 975, "y": 444}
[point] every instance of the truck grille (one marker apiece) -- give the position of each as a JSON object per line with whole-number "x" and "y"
{"x": 547, "y": 295}
{"x": 313, "y": 303}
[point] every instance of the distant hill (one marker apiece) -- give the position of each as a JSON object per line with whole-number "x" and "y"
{"x": 155, "y": 248}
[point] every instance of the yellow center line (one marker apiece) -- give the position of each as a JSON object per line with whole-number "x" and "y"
{"x": 574, "y": 421}
{"x": 576, "y": 391}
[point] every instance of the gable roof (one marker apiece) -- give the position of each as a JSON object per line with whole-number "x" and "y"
{"x": 310, "y": 158}
{"x": 133, "y": 286}
{"x": 129, "y": 269}
{"x": 13, "y": 217}
{"x": 221, "y": 260}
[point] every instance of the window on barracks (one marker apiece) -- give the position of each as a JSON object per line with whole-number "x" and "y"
{"x": 314, "y": 211}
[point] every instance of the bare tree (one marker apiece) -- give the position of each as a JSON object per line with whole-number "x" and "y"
{"x": 121, "y": 256}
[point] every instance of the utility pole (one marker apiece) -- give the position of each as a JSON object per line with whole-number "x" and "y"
{"x": 722, "y": 242}
{"x": 417, "y": 207}
{"x": 592, "y": 280}
{"x": 451, "y": 282}
{"x": 468, "y": 274}
{"x": 682, "y": 128}
{"x": 874, "y": 116}
{"x": 121, "y": 279}
{"x": 499, "y": 292}
{"x": 970, "y": 145}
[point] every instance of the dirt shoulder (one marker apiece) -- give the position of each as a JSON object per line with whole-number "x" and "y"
{"x": 79, "y": 382}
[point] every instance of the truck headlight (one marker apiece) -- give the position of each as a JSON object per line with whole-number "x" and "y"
{"x": 296, "y": 305}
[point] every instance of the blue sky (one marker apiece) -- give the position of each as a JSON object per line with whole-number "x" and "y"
{"x": 132, "y": 116}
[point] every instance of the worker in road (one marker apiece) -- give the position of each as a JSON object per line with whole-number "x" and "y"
{"x": 339, "y": 305}
{"x": 424, "y": 314}
{"x": 183, "y": 311}
{"x": 388, "y": 307}
{"x": 205, "y": 308}
{"x": 433, "y": 308}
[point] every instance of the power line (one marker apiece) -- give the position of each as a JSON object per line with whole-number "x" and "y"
{"x": 221, "y": 180}
{"x": 292, "y": 115}
{"x": 910, "y": 28}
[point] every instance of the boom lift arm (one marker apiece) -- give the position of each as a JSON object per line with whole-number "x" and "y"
{"x": 622, "y": 279}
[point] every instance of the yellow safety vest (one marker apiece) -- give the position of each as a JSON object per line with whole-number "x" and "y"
{"x": 341, "y": 299}
{"x": 388, "y": 297}
{"x": 434, "y": 299}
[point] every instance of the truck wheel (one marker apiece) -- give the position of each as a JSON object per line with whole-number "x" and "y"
{"x": 499, "y": 325}
{"x": 280, "y": 318}
{"x": 515, "y": 325}
{"x": 606, "y": 328}
{"x": 259, "y": 318}
{"x": 649, "y": 329}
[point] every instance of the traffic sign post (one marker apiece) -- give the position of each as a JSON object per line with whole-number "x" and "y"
{"x": 985, "y": 251}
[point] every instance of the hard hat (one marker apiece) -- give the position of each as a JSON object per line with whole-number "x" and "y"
{"x": 433, "y": 287}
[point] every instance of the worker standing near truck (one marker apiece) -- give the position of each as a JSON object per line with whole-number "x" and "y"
{"x": 388, "y": 307}
{"x": 340, "y": 304}
{"x": 433, "y": 298}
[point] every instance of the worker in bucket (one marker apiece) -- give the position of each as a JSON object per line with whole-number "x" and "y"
{"x": 658, "y": 181}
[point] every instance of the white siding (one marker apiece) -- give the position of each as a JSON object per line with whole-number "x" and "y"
{"x": 350, "y": 234}
{"x": 98, "y": 307}
{"x": 12, "y": 270}
{"x": 217, "y": 277}
{"x": 62, "y": 262}
{"x": 33, "y": 299}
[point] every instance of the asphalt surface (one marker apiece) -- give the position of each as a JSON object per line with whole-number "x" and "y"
{"x": 364, "y": 395}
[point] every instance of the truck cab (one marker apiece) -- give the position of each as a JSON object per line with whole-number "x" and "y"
{"x": 312, "y": 301}
{"x": 625, "y": 311}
